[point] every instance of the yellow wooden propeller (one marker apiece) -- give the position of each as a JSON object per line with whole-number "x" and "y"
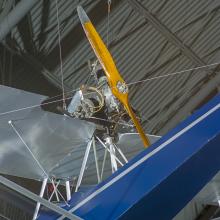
{"x": 116, "y": 82}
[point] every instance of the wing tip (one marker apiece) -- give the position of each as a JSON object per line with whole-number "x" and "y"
{"x": 82, "y": 14}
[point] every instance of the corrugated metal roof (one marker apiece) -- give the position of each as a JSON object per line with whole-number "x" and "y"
{"x": 139, "y": 49}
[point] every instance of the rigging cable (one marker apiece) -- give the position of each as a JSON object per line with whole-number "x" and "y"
{"x": 172, "y": 74}
{"x": 129, "y": 84}
{"x": 34, "y": 157}
{"x": 60, "y": 52}
{"x": 30, "y": 151}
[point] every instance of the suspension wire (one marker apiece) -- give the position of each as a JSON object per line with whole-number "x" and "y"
{"x": 108, "y": 21}
{"x": 172, "y": 74}
{"x": 60, "y": 53}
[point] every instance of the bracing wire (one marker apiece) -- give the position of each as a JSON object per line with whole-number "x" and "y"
{"x": 35, "y": 158}
{"x": 40, "y": 105}
{"x": 129, "y": 84}
{"x": 172, "y": 74}
{"x": 60, "y": 53}
{"x": 30, "y": 151}
{"x": 32, "y": 106}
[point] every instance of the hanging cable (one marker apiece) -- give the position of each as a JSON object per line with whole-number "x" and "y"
{"x": 60, "y": 51}
{"x": 108, "y": 20}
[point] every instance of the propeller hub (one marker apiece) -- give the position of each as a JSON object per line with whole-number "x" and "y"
{"x": 122, "y": 87}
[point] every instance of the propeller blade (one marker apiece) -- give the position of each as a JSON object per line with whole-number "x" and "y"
{"x": 116, "y": 82}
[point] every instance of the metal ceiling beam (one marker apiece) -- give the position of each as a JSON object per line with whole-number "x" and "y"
{"x": 193, "y": 101}
{"x": 195, "y": 98}
{"x": 21, "y": 9}
{"x": 208, "y": 213}
{"x": 6, "y": 9}
{"x": 36, "y": 198}
{"x": 166, "y": 32}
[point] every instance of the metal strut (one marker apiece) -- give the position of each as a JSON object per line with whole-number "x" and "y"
{"x": 112, "y": 154}
{"x": 21, "y": 9}
{"x": 44, "y": 184}
{"x": 37, "y": 198}
{"x": 83, "y": 167}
